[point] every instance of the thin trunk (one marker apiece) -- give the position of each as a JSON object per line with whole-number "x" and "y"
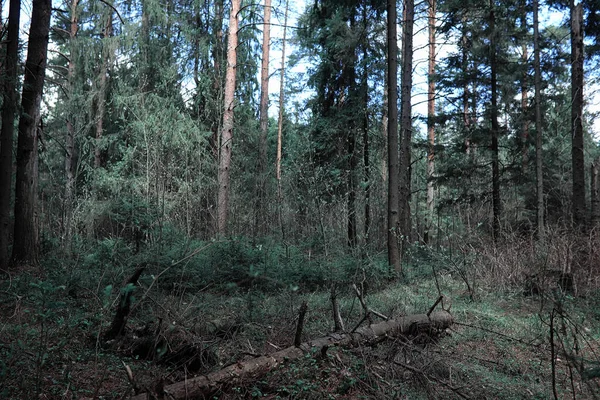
{"x": 406, "y": 120}
{"x": 594, "y": 195}
{"x": 9, "y": 109}
{"x": 430, "y": 122}
{"x": 102, "y": 82}
{"x": 217, "y": 82}
{"x": 226, "y": 141}
{"x": 524, "y": 103}
{"x": 26, "y": 243}
{"x": 465, "y": 48}
{"x": 539, "y": 177}
{"x": 70, "y": 134}
{"x": 261, "y": 201}
{"x": 496, "y": 206}
{"x": 280, "y": 123}
{"x": 349, "y": 73}
{"x": 577, "y": 153}
{"x": 366, "y": 160}
{"x": 392, "y": 140}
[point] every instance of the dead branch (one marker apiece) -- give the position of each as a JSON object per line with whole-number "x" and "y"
{"x": 203, "y": 386}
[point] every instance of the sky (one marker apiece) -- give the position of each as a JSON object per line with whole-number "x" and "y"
{"x": 420, "y": 61}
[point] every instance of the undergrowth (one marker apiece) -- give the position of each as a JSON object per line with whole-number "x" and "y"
{"x": 223, "y": 302}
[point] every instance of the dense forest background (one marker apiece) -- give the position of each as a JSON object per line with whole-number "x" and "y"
{"x": 130, "y": 146}
{"x": 282, "y": 146}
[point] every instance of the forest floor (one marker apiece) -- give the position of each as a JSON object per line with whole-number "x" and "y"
{"x": 503, "y": 344}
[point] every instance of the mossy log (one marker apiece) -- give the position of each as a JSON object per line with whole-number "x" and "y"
{"x": 203, "y": 386}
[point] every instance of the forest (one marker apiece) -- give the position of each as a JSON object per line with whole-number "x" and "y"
{"x": 320, "y": 199}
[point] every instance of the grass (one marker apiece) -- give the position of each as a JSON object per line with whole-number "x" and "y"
{"x": 51, "y": 326}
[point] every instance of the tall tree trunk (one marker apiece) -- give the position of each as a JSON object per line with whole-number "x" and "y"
{"x": 430, "y": 122}
{"x": 70, "y": 134}
{"x": 280, "y": 123}
{"x": 226, "y": 141}
{"x": 496, "y": 206}
{"x": 577, "y": 153}
{"x": 9, "y": 109}
{"x": 102, "y": 82}
{"x": 406, "y": 119}
{"x": 524, "y": 103}
{"x": 365, "y": 129}
{"x": 261, "y": 202}
{"x": 392, "y": 140}
{"x": 539, "y": 177}
{"x": 465, "y": 48}
{"x": 26, "y": 239}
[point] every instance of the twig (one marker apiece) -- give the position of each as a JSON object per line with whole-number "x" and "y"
{"x": 165, "y": 270}
{"x": 433, "y": 378}
{"x": 435, "y": 305}
{"x": 368, "y": 311}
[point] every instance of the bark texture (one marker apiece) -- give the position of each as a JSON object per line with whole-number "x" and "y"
{"x": 261, "y": 199}
{"x": 392, "y": 140}
{"x": 577, "y": 154}
{"x": 539, "y": 177}
{"x": 406, "y": 120}
{"x": 26, "y": 239}
{"x": 496, "y": 205}
{"x": 226, "y": 141}
{"x": 9, "y": 109}
{"x": 203, "y": 386}
{"x": 430, "y": 121}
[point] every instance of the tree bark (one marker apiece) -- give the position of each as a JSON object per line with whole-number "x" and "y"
{"x": 261, "y": 201}
{"x": 406, "y": 120}
{"x": 496, "y": 205}
{"x": 226, "y": 141}
{"x": 102, "y": 83}
{"x": 70, "y": 134}
{"x": 280, "y": 123}
{"x": 204, "y": 386}
{"x": 430, "y": 122}
{"x": 26, "y": 239}
{"x": 539, "y": 177}
{"x": 594, "y": 195}
{"x": 524, "y": 103}
{"x": 577, "y": 153}
{"x": 9, "y": 109}
{"x": 365, "y": 129}
{"x": 392, "y": 141}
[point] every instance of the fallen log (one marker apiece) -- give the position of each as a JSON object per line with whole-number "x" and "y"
{"x": 203, "y": 386}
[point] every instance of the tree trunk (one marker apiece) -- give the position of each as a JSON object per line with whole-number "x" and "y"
{"x": 594, "y": 195}
{"x": 26, "y": 240}
{"x": 9, "y": 109}
{"x": 406, "y": 120}
{"x": 205, "y": 385}
{"x": 539, "y": 177}
{"x": 524, "y": 104}
{"x": 261, "y": 201}
{"x": 280, "y": 123}
{"x": 102, "y": 82}
{"x": 365, "y": 129}
{"x": 226, "y": 141}
{"x": 70, "y": 134}
{"x": 577, "y": 153}
{"x": 392, "y": 141}
{"x": 430, "y": 122}
{"x": 496, "y": 206}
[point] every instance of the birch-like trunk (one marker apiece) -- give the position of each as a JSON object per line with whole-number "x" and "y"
{"x": 226, "y": 141}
